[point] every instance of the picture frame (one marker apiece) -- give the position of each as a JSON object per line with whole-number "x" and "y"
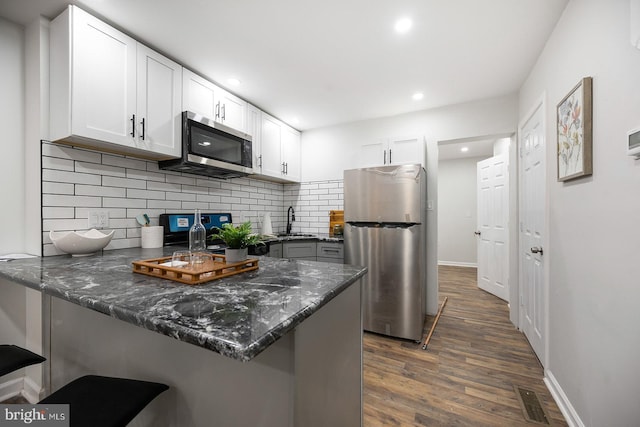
{"x": 575, "y": 128}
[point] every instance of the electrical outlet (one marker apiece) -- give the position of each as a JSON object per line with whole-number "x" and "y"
{"x": 98, "y": 219}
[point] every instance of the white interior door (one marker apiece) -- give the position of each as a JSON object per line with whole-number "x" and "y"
{"x": 532, "y": 209}
{"x": 493, "y": 225}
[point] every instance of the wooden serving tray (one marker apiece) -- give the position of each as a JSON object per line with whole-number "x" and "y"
{"x": 213, "y": 269}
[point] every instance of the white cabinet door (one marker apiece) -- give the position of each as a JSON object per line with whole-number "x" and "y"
{"x": 271, "y": 139}
{"x": 198, "y": 94}
{"x": 159, "y": 103}
{"x": 205, "y": 98}
{"x": 393, "y": 151}
{"x": 103, "y": 80}
{"x": 232, "y": 111}
{"x": 406, "y": 150}
{"x": 103, "y": 84}
{"x": 373, "y": 153}
{"x": 254, "y": 121}
{"x": 291, "y": 154}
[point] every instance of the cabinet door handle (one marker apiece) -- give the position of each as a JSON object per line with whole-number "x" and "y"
{"x": 282, "y": 169}
{"x": 384, "y": 161}
{"x": 224, "y": 112}
{"x": 286, "y": 168}
{"x": 260, "y": 161}
{"x": 389, "y": 155}
{"x": 217, "y": 112}
{"x": 133, "y": 126}
{"x": 331, "y": 250}
{"x": 142, "y": 123}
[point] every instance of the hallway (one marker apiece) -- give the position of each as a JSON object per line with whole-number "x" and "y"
{"x": 466, "y": 377}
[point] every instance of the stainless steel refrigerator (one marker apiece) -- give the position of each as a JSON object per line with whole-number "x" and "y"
{"x": 385, "y": 230}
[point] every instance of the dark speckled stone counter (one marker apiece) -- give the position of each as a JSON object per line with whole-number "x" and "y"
{"x": 238, "y": 317}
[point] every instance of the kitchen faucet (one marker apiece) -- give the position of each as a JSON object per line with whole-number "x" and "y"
{"x": 293, "y": 218}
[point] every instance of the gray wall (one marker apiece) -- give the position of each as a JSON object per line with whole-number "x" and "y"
{"x": 457, "y": 212}
{"x": 592, "y": 223}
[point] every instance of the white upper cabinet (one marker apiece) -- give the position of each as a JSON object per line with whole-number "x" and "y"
{"x": 392, "y": 151}
{"x": 110, "y": 92}
{"x": 254, "y": 128}
{"x": 203, "y": 97}
{"x": 198, "y": 94}
{"x": 159, "y": 103}
{"x": 291, "y": 153}
{"x": 280, "y": 150}
{"x": 271, "y": 139}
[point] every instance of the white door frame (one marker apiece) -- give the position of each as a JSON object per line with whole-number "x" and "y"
{"x": 517, "y": 290}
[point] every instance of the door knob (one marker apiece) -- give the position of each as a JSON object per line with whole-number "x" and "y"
{"x": 536, "y": 250}
{"x": 477, "y": 233}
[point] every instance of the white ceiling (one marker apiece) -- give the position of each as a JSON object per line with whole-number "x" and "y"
{"x": 475, "y": 148}
{"x": 333, "y": 61}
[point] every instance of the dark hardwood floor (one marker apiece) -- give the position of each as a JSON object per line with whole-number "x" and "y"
{"x": 466, "y": 377}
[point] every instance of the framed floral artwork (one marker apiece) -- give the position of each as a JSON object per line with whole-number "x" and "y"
{"x": 575, "y": 132}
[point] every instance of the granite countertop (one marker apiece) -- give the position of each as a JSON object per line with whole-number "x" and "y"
{"x": 325, "y": 237}
{"x": 238, "y": 316}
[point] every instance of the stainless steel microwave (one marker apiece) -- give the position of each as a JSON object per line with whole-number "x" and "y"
{"x": 211, "y": 149}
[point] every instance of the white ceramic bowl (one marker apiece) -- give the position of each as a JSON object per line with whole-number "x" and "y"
{"x": 80, "y": 243}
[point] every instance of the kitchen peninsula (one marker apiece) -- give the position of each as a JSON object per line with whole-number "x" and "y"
{"x": 280, "y": 346}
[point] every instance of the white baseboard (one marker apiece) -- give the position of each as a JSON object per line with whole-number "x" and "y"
{"x": 32, "y": 391}
{"x": 11, "y": 388}
{"x": 458, "y": 264}
{"x": 22, "y": 386}
{"x": 567, "y": 409}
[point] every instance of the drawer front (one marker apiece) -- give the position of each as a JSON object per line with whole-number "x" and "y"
{"x": 331, "y": 250}
{"x": 299, "y": 250}
{"x": 275, "y": 250}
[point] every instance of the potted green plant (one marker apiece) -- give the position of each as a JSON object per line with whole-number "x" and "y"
{"x": 238, "y": 239}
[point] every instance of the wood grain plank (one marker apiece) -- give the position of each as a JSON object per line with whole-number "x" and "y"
{"x": 466, "y": 376}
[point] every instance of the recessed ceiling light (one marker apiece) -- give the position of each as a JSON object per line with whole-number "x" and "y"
{"x": 417, "y": 96}
{"x": 403, "y": 25}
{"x": 464, "y": 149}
{"x": 233, "y": 81}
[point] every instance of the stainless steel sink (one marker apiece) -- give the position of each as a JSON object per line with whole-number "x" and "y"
{"x": 295, "y": 235}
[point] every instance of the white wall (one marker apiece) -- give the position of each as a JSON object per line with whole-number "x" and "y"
{"x": 12, "y": 164}
{"x": 326, "y": 152}
{"x": 593, "y": 233}
{"x": 457, "y": 211}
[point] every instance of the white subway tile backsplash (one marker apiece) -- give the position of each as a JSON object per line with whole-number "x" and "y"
{"x": 126, "y": 187}
{"x": 118, "y": 202}
{"x": 53, "y": 175}
{"x": 95, "y": 190}
{"x": 57, "y": 163}
{"x": 98, "y": 169}
{"x": 52, "y": 213}
{"x": 57, "y": 188}
{"x": 123, "y": 162}
{"x": 123, "y": 182}
{"x": 133, "y": 193}
{"x": 81, "y": 201}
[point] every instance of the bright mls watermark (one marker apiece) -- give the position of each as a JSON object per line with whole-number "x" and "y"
{"x": 34, "y": 415}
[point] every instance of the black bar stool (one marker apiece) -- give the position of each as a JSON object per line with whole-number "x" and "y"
{"x": 105, "y": 401}
{"x": 13, "y": 358}
{"x": 93, "y": 400}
